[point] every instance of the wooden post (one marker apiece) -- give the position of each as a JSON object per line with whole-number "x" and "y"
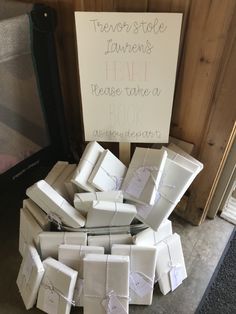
{"x": 124, "y": 152}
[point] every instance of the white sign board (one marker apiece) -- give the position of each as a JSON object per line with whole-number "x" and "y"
{"x": 127, "y": 66}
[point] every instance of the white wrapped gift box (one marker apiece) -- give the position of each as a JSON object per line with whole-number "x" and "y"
{"x": 175, "y": 181}
{"x": 108, "y": 173}
{"x": 54, "y": 204}
{"x": 85, "y": 167}
{"x": 104, "y": 213}
{"x": 64, "y": 171}
{"x": 57, "y": 287}
{"x": 106, "y": 284}
{"x": 170, "y": 266}
{"x": 82, "y": 201}
{"x": 37, "y": 213}
{"x": 188, "y": 163}
{"x": 180, "y": 151}
{"x": 71, "y": 189}
{"x": 55, "y": 172}
{"x": 144, "y": 174}
{"x": 142, "y": 271}
{"x": 66, "y": 176}
{"x": 50, "y": 241}
{"x": 29, "y": 231}
{"x": 150, "y": 237}
{"x": 30, "y": 276}
{"x": 72, "y": 256}
{"x": 108, "y": 240}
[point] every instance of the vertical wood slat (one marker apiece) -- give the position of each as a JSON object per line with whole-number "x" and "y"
{"x": 209, "y": 210}
{"x": 97, "y": 5}
{"x": 223, "y": 115}
{"x": 203, "y": 49}
{"x": 66, "y": 38}
{"x": 217, "y": 131}
{"x": 131, "y": 6}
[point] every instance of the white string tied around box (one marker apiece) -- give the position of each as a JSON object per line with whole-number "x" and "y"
{"x": 50, "y": 286}
{"x": 132, "y": 273}
{"x": 108, "y": 294}
{"x": 170, "y": 263}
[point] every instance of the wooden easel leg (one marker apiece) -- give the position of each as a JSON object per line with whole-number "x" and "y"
{"x": 124, "y": 152}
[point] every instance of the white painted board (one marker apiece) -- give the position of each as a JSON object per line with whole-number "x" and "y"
{"x": 127, "y": 66}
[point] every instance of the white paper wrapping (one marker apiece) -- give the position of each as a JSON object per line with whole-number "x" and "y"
{"x": 104, "y": 213}
{"x": 30, "y": 276}
{"x": 142, "y": 269}
{"x": 50, "y": 241}
{"x": 66, "y": 176}
{"x": 108, "y": 240}
{"x": 29, "y": 231}
{"x": 108, "y": 173}
{"x": 186, "y": 161}
{"x": 55, "y": 172}
{"x": 104, "y": 274}
{"x": 82, "y": 201}
{"x": 144, "y": 174}
{"x": 60, "y": 177}
{"x": 180, "y": 151}
{"x": 175, "y": 181}
{"x": 170, "y": 259}
{"x": 85, "y": 167}
{"x": 37, "y": 213}
{"x": 72, "y": 256}
{"x": 57, "y": 287}
{"x": 53, "y": 203}
{"x": 149, "y": 237}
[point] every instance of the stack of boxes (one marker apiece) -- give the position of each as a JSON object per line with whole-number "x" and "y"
{"x": 92, "y": 265}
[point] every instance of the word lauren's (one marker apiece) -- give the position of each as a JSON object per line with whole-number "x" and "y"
{"x": 135, "y": 48}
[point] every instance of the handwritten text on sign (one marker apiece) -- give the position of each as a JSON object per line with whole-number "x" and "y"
{"x": 127, "y": 65}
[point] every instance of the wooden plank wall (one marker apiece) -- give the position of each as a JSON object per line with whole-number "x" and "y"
{"x": 203, "y": 113}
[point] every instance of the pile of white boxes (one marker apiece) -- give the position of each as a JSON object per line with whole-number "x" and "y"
{"x": 92, "y": 260}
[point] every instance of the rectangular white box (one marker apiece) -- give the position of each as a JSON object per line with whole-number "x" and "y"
{"x": 71, "y": 189}
{"x": 57, "y": 288}
{"x": 53, "y": 203}
{"x": 176, "y": 180}
{"x": 37, "y": 213}
{"x": 170, "y": 259}
{"x": 72, "y": 256}
{"x": 50, "y": 241}
{"x": 184, "y": 160}
{"x": 55, "y": 172}
{"x": 82, "y": 201}
{"x": 144, "y": 174}
{"x": 149, "y": 237}
{"x": 180, "y": 151}
{"x": 29, "y": 231}
{"x": 85, "y": 167}
{"x": 104, "y": 213}
{"x": 30, "y": 276}
{"x": 108, "y": 240}
{"x": 142, "y": 271}
{"x": 108, "y": 173}
{"x": 105, "y": 275}
{"x": 65, "y": 176}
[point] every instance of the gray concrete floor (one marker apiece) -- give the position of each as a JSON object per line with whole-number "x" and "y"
{"x": 202, "y": 248}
